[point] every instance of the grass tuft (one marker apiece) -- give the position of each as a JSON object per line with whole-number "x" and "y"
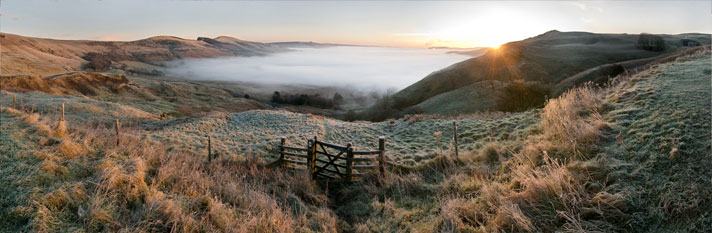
{"x": 61, "y": 130}
{"x": 69, "y": 149}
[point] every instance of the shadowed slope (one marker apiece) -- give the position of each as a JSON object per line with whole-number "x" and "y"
{"x": 546, "y": 59}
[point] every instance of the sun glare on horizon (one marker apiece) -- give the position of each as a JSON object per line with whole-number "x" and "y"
{"x": 491, "y": 29}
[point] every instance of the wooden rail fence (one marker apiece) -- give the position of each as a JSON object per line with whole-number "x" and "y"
{"x": 331, "y": 161}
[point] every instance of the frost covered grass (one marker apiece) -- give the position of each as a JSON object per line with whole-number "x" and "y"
{"x": 600, "y": 160}
{"x": 77, "y": 109}
{"x": 83, "y": 182}
{"x": 409, "y": 141}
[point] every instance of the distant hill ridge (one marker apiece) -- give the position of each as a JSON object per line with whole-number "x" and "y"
{"x": 481, "y": 83}
{"x": 307, "y": 44}
{"x": 40, "y": 56}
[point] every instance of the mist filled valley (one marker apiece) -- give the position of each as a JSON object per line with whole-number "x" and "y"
{"x": 360, "y": 67}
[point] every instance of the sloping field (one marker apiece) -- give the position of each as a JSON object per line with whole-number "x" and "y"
{"x": 408, "y": 140}
{"x": 40, "y": 56}
{"x": 665, "y": 138}
{"x": 155, "y": 96}
{"x": 640, "y": 166}
{"x": 75, "y": 179}
{"x": 75, "y": 83}
{"x": 545, "y": 59}
{"x": 78, "y": 109}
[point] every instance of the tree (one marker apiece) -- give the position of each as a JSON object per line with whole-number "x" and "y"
{"x": 276, "y": 97}
{"x": 651, "y": 42}
{"x": 338, "y": 99}
{"x": 519, "y": 96}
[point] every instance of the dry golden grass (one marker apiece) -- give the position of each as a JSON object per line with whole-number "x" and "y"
{"x": 573, "y": 120}
{"x": 141, "y": 186}
{"x": 60, "y": 130}
{"x": 32, "y": 118}
{"x": 69, "y": 149}
{"x": 549, "y": 181}
{"x": 11, "y": 111}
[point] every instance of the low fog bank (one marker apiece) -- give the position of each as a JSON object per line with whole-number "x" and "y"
{"x": 365, "y": 68}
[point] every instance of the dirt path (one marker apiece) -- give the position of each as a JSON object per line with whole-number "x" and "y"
{"x": 664, "y": 120}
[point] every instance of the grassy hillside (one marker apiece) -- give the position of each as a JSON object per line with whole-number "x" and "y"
{"x": 41, "y": 57}
{"x": 545, "y": 59}
{"x": 71, "y": 177}
{"x": 630, "y": 158}
{"x": 161, "y": 98}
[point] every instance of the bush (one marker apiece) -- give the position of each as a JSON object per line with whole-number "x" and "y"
{"x": 651, "y": 42}
{"x": 519, "y": 96}
{"x": 572, "y": 120}
{"x": 97, "y": 61}
{"x": 338, "y": 98}
{"x": 315, "y": 100}
{"x": 490, "y": 153}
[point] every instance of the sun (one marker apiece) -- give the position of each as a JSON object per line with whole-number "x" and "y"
{"x": 491, "y": 29}
{"x": 458, "y": 38}
{"x": 460, "y": 43}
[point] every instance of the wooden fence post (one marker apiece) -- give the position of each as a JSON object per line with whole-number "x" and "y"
{"x": 310, "y": 144}
{"x": 382, "y": 155}
{"x": 62, "y": 113}
{"x": 454, "y": 125}
{"x": 312, "y": 157}
{"x": 282, "y": 142}
{"x": 210, "y": 150}
{"x": 349, "y": 161}
{"x": 117, "y": 132}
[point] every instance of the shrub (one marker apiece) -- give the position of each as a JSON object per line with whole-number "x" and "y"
{"x": 573, "y": 120}
{"x": 97, "y": 61}
{"x": 69, "y": 149}
{"x": 651, "y": 42}
{"x": 315, "y": 100}
{"x": 61, "y": 130}
{"x": 520, "y": 96}
{"x": 338, "y": 98}
{"x": 490, "y": 153}
{"x": 32, "y": 118}
{"x": 276, "y": 97}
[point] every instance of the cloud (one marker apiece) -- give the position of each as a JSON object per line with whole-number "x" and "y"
{"x": 361, "y": 67}
{"x": 413, "y": 34}
{"x": 585, "y": 7}
{"x": 11, "y": 16}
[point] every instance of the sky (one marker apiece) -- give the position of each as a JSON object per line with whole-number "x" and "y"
{"x": 390, "y": 23}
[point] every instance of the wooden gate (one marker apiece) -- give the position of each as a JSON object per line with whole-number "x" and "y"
{"x": 331, "y": 161}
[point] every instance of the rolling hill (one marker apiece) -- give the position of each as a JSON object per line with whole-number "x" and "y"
{"x": 39, "y": 56}
{"x": 479, "y": 84}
